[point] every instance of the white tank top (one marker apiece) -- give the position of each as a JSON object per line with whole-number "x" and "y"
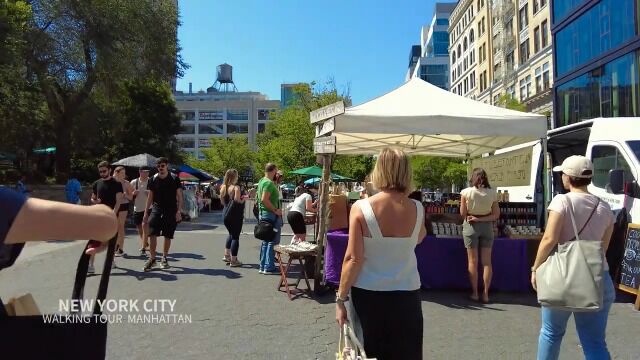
{"x": 389, "y": 262}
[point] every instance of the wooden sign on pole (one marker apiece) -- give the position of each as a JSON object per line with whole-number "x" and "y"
{"x": 325, "y": 127}
{"x": 324, "y": 145}
{"x": 327, "y": 112}
{"x": 629, "y": 273}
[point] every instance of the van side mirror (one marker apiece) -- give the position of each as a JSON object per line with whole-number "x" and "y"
{"x": 616, "y": 181}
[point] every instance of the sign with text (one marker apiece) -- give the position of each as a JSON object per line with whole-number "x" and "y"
{"x": 508, "y": 169}
{"x": 324, "y": 145}
{"x": 327, "y": 112}
{"x": 325, "y": 127}
{"x": 630, "y": 265}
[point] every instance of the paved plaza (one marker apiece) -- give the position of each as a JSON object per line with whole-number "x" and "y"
{"x": 237, "y": 313}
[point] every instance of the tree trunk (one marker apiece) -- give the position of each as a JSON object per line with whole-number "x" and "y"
{"x": 62, "y": 130}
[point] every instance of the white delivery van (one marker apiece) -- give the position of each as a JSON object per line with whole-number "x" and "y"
{"x": 613, "y": 144}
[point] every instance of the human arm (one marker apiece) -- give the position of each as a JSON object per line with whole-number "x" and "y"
{"x": 61, "y": 221}
{"x": 127, "y": 190}
{"x": 222, "y": 190}
{"x": 237, "y": 195}
{"x": 549, "y": 240}
{"x": 94, "y": 195}
{"x": 145, "y": 217}
{"x": 353, "y": 260}
{"x": 310, "y": 205}
{"x": 423, "y": 228}
{"x": 495, "y": 215}
{"x": 464, "y": 210}
{"x": 179, "y": 199}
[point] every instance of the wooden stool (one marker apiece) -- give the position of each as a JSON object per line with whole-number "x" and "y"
{"x": 292, "y": 289}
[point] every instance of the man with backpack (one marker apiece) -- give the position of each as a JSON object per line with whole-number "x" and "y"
{"x": 165, "y": 201}
{"x": 140, "y": 195}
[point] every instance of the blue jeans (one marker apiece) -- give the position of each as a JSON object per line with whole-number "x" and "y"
{"x": 267, "y": 256}
{"x": 591, "y": 328}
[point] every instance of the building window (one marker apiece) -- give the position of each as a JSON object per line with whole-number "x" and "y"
{"x": 472, "y": 80}
{"x": 538, "y": 80}
{"x": 484, "y": 23}
{"x": 471, "y": 38}
{"x": 543, "y": 3}
{"x": 524, "y": 17}
{"x": 453, "y": 57}
{"x": 563, "y": 8}
{"x": 442, "y": 22}
{"x": 510, "y": 61}
{"x": 524, "y": 52}
{"x": 472, "y": 56}
{"x": 603, "y": 27}
{"x": 210, "y": 115}
{"x": 479, "y": 28}
{"x": 210, "y": 129}
{"x": 237, "y": 114}
{"x": 546, "y": 84}
{"x": 535, "y": 7}
{"x": 187, "y": 129}
{"x": 262, "y": 127}
{"x": 466, "y": 86}
{"x": 459, "y": 51}
{"x": 466, "y": 63}
{"x": 188, "y": 115}
{"x": 187, "y": 143}
{"x": 544, "y": 34}
{"x": 460, "y": 88}
{"x": 511, "y": 90}
{"x": 264, "y": 114}
{"x": 536, "y": 39}
{"x": 465, "y": 45}
{"x": 481, "y": 81}
{"x": 237, "y": 128}
{"x": 525, "y": 88}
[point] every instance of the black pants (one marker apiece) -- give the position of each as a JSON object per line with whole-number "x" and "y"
{"x": 391, "y": 323}
{"x": 233, "y": 222}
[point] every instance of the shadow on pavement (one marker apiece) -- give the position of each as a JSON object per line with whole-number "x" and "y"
{"x": 210, "y": 272}
{"x": 141, "y": 275}
{"x": 460, "y": 300}
{"x": 175, "y": 256}
{"x": 185, "y": 226}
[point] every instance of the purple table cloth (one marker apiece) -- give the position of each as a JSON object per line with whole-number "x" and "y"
{"x": 442, "y": 263}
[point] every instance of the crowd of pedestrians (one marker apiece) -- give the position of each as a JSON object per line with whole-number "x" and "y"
{"x": 379, "y": 286}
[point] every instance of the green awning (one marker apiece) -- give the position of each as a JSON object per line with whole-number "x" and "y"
{"x": 49, "y": 150}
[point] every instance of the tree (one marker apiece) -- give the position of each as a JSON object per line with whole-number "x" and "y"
{"x": 231, "y": 153}
{"x": 509, "y": 102}
{"x": 72, "y": 46}
{"x": 288, "y": 139}
{"x": 356, "y": 167}
{"x": 437, "y": 172}
{"x": 23, "y": 114}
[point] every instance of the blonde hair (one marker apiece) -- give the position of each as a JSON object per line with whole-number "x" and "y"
{"x": 392, "y": 171}
{"x": 230, "y": 178}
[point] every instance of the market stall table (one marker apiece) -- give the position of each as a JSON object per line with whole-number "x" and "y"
{"x": 442, "y": 262}
{"x": 292, "y": 289}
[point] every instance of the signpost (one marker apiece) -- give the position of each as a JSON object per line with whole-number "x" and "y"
{"x": 325, "y": 147}
{"x": 629, "y": 273}
{"x": 326, "y": 127}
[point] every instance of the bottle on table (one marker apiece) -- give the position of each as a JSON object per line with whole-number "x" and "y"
{"x": 499, "y": 196}
{"x": 505, "y": 196}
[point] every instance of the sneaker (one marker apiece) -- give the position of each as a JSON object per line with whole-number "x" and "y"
{"x": 149, "y": 265}
{"x": 260, "y": 271}
{"x": 164, "y": 263}
{"x": 119, "y": 252}
{"x": 226, "y": 259}
{"x": 236, "y": 263}
{"x": 272, "y": 271}
{"x": 143, "y": 252}
{"x": 91, "y": 269}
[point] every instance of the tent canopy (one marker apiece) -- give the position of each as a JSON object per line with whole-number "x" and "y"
{"x": 201, "y": 175}
{"x": 316, "y": 171}
{"x": 423, "y": 119}
{"x": 138, "y": 161}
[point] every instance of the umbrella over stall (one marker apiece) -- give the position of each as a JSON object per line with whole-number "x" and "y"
{"x": 316, "y": 171}
{"x": 138, "y": 161}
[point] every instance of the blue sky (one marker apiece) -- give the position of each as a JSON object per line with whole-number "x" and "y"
{"x": 361, "y": 44}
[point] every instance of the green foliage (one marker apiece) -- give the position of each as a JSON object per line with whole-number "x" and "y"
{"x": 356, "y": 167}
{"x": 288, "y": 139}
{"x": 509, "y": 102}
{"x": 73, "y": 47}
{"x": 224, "y": 154}
{"x": 437, "y": 172}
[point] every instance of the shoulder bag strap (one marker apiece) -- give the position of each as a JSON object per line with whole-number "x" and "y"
{"x": 573, "y": 219}
{"x": 81, "y": 275}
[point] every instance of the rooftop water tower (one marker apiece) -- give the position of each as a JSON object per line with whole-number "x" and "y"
{"x": 224, "y": 79}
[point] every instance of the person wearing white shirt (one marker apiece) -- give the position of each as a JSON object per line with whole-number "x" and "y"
{"x": 140, "y": 194}
{"x": 299, "y": 208}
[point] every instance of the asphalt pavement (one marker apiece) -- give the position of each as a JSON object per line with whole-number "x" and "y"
{"x": 237, "y": 313}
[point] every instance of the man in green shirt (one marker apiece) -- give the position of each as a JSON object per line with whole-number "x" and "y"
{"x": 269, "y": 209}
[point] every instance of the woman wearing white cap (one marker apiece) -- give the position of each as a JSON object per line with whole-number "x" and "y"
{"x": 595, "y": 219}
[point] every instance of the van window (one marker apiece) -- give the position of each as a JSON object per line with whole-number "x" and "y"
{"x": 606, "y": 158}
{"x": 635, "y": 147}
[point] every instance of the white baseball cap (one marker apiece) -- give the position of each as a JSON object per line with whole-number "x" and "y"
{"x": 576, "y": 166}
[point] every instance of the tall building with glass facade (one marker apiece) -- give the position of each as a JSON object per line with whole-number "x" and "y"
{"x": 596, "y": 51}
{"x": 430, "y": 60}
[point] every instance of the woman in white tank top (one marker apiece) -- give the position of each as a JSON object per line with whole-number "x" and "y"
{"x": 380, "y": 267}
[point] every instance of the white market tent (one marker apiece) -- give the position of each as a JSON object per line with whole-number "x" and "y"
{"x": 423, "y": 119}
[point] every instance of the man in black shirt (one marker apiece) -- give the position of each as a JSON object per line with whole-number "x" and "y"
{"x": 165, "y": 201}
{"x": 107, "y": 191}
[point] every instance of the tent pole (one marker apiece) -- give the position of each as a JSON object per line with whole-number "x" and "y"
{"x": 547, "y": 179}
{"x": 324, "y": 222}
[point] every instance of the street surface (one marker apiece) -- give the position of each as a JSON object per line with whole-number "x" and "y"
{"x": 237, "y": 313}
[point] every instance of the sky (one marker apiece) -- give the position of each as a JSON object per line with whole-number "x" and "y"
{"x": 363, "y": 45}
